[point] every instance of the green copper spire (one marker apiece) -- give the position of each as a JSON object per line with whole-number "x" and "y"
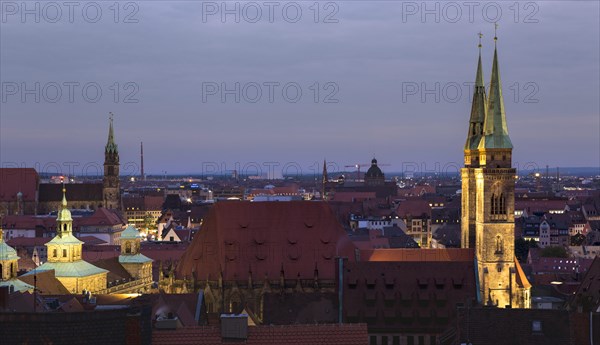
{"x": 478, "y": 107}
{"x": 495, "y": 132}
{"x": 64, "y": 221}
{"x": 111, "y": 146}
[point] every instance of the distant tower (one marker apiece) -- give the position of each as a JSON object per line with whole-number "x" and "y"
{"x": 489, "y": 162}
{"x": 111, "y": 193}
{"x": 143, "y": 176}
{"x": 374, "y": 176}
{"x": 324, "y": 180}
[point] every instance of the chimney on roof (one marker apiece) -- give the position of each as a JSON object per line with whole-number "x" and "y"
{"x": 234, "y": 326}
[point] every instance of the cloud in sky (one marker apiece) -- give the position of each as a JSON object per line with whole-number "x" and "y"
{"x": 367, "y": 61}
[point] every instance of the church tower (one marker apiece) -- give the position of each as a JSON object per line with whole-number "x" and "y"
{"x": 478, "y": 115}
{"x": 136, "y": 263}
{"x": 111, "y": 194}
{"x": 488, "y": 190}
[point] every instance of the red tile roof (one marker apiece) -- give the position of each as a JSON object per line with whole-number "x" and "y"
{"x": 415, "y": 207}
{"x": 47, "y": 283}
{"x": 418, "y": 255}
{"x": 406, "y": 297}
{"x": 15, "y": 180}
{"x": 331, "y": 334}
{"x": 265, "y": 238}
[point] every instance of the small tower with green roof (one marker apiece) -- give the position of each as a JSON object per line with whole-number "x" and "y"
{"x": 136, "y": 263}
{"x": 9, "y": 267}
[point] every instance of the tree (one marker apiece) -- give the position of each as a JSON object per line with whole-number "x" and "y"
{"x": 577, "y": 240}
{"x": 522, "y": 248}
{"x": 554, "y": 252}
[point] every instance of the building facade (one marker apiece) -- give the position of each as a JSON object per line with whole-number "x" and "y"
{"x": 64, "y": 257}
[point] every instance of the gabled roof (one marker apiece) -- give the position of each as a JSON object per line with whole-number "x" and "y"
{"x": 266, "y": 238}
{"x": 522, "y": 280}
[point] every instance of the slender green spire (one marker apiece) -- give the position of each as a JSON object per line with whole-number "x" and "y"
{"x": 495, "y": 132}
{"x": 478, "y": 107}
{"x": 64, "y": 199}
{"x": 64, "y": 220}
{"x": 111, "y": 146}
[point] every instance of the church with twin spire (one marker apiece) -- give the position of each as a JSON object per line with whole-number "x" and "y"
{"x": 488, "y": 197}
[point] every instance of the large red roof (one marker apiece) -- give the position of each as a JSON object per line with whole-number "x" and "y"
{"x": 331, "y": 334}
{"x": 418, "y": 255}
{"x": 266, "y": 238}
{"x": 15, "y": 180}
{"x": 407, "y": 297}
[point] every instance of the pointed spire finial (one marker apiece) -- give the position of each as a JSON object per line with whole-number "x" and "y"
{"x": 64, "y": 198}
{"x": 111, "y": 146}
{"x": 495, "y": 32}
{"x": 479, "y": 45}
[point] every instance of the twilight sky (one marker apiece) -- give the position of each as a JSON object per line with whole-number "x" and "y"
{"x": 402, "y": 79}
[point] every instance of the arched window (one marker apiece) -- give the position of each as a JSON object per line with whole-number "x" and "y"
{"x": 498, "y": 201}
{"x": 502, "y": 208}
{"x": 128, "y": 247}
{"x": 54, "y": 253}
{"x": 64, "y": 227}
{"x": 64, "y": 253}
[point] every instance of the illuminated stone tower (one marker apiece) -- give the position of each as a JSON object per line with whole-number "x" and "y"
{"x": 488, "y": 190}
{"x": 111, "y": 194}
{"x": 478, "y": 115}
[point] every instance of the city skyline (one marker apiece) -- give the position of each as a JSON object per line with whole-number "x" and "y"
{"x": 551, "y": 69}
